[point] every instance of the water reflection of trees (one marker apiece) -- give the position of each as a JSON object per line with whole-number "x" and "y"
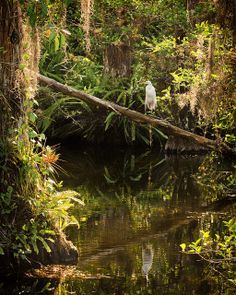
{"x": 152, "y": 197}
{"x": 179, "y": 278}
{"x": 146, "y": 184}
{"x": 138, "y": 180}
{"x": 132, "y": 171}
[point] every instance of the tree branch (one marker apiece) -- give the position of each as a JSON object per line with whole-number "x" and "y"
{"x": 138, "y": 117}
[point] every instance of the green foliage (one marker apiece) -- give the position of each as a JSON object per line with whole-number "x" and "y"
{"x": 36, "y": 10}
{"x": 225, "y": 125}
{"x": 31, "y": 208}
{"x": 87, "y": 73}
{"x": 218, "y": 249}
{"x": 186, "y": 56}
{"x": 175, "y": 54}
{"x": 59, "y": 205}
{"x": 29, "y": 235}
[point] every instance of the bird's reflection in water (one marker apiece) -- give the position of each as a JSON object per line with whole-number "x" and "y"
{"x": 147, "y": 259}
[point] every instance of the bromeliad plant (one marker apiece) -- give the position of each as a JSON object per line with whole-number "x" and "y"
{"x": 34, "y": 194}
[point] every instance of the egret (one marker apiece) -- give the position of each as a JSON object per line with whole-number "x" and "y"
{"x": 147, "y": 259}
{"x": 150, "y": 103}
{"x": 150, "y": 97}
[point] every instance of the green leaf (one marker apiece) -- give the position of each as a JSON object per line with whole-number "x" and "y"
{"x": 56, "y": 43}
{"x": 197, "y": 242}
{"x": 34, "y": 244}
{"x": 160, "y": 133}
{"x": 52, "y": 36}
{"x": 25, "y": 227}
{"x": 144, "y": 139}
{"x": 183, "y": 247}
{"x": 78, "y": 201}
{"x": 62, "y": 40}
{"x": 31, "y": 12}
{"x": 108, "y": 120}
{"x": 45, "y": 244}
{"x": 23, "y": 239}
{"x": 108, "y": 177}
{"x": 137, "y": 178}
{"x": 33, "y": 134}
{"x": 44, "y": 8}
{"x": 133, "y": 131}
{"x": 32, "y": 116}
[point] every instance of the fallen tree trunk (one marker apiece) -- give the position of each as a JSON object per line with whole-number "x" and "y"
{"x": 138, "y": 117}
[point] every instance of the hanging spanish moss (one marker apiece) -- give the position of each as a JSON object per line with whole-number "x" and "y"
{"x": 86, "y": 12}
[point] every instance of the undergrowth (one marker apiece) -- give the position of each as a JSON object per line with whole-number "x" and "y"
{"x": 33, "y": 206}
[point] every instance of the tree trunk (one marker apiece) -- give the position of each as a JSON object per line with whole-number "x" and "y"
{"x": 117, "y": 60}
{"x": 11, "y": 94}
{"x": 234, "y": 21}
{"x": 19, "y": 52}
{"x": 135, "y": 116}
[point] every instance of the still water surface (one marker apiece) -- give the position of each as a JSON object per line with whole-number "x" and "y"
{"x": 140, "y": 206}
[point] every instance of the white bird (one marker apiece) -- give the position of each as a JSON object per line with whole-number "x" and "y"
{"x": 147, "y": 259}
{"x": 150, "y": 97}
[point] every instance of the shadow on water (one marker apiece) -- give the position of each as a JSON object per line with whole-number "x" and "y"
{"x": 140, "y": 206}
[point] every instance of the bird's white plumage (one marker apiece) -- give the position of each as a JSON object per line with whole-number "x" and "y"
{"x": 150, "y": 97}
{"x": 147, "y": 259}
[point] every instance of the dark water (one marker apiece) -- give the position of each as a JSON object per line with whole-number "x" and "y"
{"x": 140, "y": 206}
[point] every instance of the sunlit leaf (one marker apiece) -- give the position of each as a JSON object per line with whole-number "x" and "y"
{"x": 108, "y": 120}
{"x": 1, "y": 251}
{"x": 183, "y": 246}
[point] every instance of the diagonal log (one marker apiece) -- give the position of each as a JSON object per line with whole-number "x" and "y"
{"x": 138, "y": 117}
